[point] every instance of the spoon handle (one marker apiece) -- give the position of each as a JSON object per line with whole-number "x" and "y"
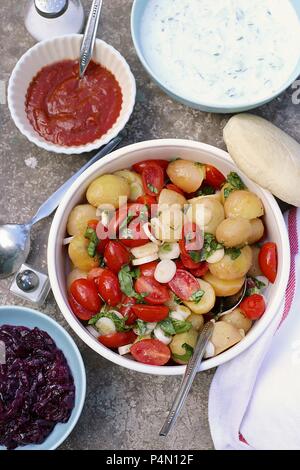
{"x": 190, "y": 372}
{"x": 51, "y": 204}
{"x": 87, "y": 46}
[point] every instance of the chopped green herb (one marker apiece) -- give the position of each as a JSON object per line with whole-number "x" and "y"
{"x": 91, "y": 235}
{"x": 167, "y": 326}
{"x": 234, "y": 183}
{"x": 197, "y": 296}
{"x": 119, "y": 322}
{"x": 210, "y": 246}
{"x": 188, "y": 354}
{"x": 126, "y": 277}
{"x": 255, "y": 287}
{"x": 177, "y": 299}
{"x": 181, "y": 326}
{"x": 141, "y": 327}
{"x": 206, "y": 190}
{"x": 152, "y": 188}
{"x": 166, "y": 247}
{"x": 195, "y": 255}
{"x": 234, "y": 253}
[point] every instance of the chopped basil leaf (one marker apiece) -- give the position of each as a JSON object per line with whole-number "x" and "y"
{"x": 91, "y": 235}
{"x": 197, "y": 296}
{"x": 141, "y": 326}
{"x": 234, "y": 253}
{"x": 152, "y": 188}
{"x": 195, "y": 255}
{"x": 126, "y": 277}
{"x": 206, "y": 190}
{"x": 167, "y": 327}
{"x": 210, "y": 246}
{"x": 177, "y": 299}
{"x": 187, "y": 356}
{"x": 181, "y": 326}
{"x": 234, "y": 182}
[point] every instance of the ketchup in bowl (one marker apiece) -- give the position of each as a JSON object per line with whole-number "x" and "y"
{"x": 69, "y": 111}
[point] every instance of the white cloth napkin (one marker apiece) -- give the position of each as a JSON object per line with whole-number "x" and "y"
{"x": 254, "y": 400}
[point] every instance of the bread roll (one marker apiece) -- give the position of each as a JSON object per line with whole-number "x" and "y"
{"x": 266, "y": 154}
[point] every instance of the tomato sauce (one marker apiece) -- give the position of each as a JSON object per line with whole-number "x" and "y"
{"x": 69, "y": 111}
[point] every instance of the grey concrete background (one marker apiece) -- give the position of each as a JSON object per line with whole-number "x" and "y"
{"x": 123, "y": 409}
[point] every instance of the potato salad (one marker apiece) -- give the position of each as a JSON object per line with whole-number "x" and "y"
{"x": 153, "y": 247}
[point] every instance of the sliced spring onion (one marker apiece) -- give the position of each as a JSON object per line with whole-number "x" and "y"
{"x": 146, "y": 228}
{"x": 216, "y": 256}
{"x": 122, "y": 350}
{"x": 146, "y": 259}
{"x": 145, "y": 250}
{"x": 161, "y": 336}
{"x": 68, "y": 240}
{"x": 169, "y": 251}
{"x": 165, "y": 271}
{"x": 105, "y": 326}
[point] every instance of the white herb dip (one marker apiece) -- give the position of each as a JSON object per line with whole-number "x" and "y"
{"x": 221, "y": 51}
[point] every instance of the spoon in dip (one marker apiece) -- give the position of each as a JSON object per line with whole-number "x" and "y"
{"x": 89, "y": 37}
{"x": 15, "y": 238}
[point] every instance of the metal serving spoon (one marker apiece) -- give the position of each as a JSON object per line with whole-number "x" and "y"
{"x": 89, "y": 37}
{"x": 223, "y": 305}
{"x": 15, "y": 238}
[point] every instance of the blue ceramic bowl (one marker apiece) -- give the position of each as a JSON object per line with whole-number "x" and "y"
{"x": 136, "y": 19}
{"x": 22, "y": 316}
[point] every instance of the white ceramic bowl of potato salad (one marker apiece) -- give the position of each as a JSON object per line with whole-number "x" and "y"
{"x": 148, "y": 238}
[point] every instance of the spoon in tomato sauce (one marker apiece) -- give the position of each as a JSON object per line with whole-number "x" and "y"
{"x": 89, "y": 37}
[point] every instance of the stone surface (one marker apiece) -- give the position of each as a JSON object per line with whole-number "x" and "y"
{"x": 123, "y": 409}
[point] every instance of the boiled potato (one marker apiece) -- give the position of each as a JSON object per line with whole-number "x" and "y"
{"x": 176, "y": 345}
{"x": 169, "y": 223}
{"x": 187, "y": 175}
{"x": 242, "y": 203}
{"x": 74, "y": 275}
{"x": 257, "y": 231}
{"x": 237, "y": 318}
{"x": 196, "y": 320}
{"x": 224, "y": 287}
{"x": 234, "y": 232}
{"x": 224, "y": 336}
{"x": 229, "y": 268}
{"x": 207, "y": 301}
{"x": 79, "y": 217}
{"x": 79, "y": 255}
{"x": 108, "y": 189}
{"x": 207, "y": 212}
{"x": 134, "y": 181}
{"x": 255, "y": 268}
{"x": 169, "y": 197}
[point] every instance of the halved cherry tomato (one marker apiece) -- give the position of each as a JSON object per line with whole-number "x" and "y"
{"x": 150, "y": 313}
{"x": 214, "y": 177}
{"x": 253, "y": 306}
{"x": 151, "y": 351}
{"x": 146, "y": 199}
{"x": 184, "y": 284}
{"x": 190, "y": 246}
{"x": 101, "y": 232}
{"x": 267, "y": 259}
{"x": 116, "y": 255}
{"x": 138, "y": 167}
{"x": 118, "y": 339}
{"x": 156, "y": 292}
{"x": 80, "y": 312}
{"x": 153, "y": 179}
{"x": 201, "y": 270}
{"x": 128, "y": 225}
{"x": 85, "y": 292}
{"x": 126, "y": 310}
{"x": 108, "y": 287}
{"x": 148, "y": 269}
{"x": 187, "y": 261}
{"x": 175, "y": 188}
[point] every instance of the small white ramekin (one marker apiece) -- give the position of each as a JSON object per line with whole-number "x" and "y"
{"x": 54, "y": 50}
{"x": 125, "y": 158}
